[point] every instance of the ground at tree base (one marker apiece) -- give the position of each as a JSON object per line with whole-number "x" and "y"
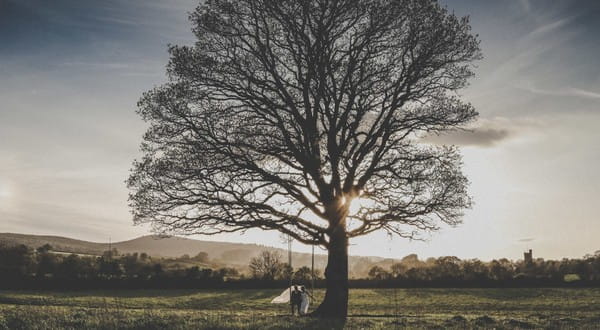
{"x": 250, "y": 309}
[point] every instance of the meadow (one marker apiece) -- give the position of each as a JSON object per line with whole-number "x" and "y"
{"x": 251, "y": 309}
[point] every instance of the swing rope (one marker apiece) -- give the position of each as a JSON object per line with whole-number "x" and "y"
{"x": 312, "y": 265}
{"x": 312, "y": 271}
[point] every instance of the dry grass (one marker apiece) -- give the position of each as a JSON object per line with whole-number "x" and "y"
{"x": 250, "y": 309}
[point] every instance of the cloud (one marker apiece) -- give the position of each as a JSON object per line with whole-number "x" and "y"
{"x": 567, "y": 91}
{"x": 131, "y": 67}
{"x": 583, "y": 93}
{"x": 55, "y": 219}
{"x": 547, "y": 28}
{"x": 484, "y": 133}
{"x": 482, "y": 137}
{"x": 526, "y": 240}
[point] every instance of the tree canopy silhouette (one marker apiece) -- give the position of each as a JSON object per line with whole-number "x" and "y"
{"x": 285, "y": 112}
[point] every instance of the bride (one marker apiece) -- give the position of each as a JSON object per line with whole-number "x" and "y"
{"x": 305, "y": 300}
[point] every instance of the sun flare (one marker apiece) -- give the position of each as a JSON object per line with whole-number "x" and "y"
{"x": 357, "y": 204}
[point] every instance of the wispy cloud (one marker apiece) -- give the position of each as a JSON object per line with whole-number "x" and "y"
{"x": 566, "y": 91}
{"x": 584, "y": 93}
{"x": 485, "y": 133}
{"x": 140, "y": 67}
{"x": 481, "y": 137}
{"x": 526, "y": 240}
{"x": 548, "y": 27}
{"x": 526, "y": 53}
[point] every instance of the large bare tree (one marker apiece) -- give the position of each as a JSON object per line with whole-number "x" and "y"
{"x": 284, "y": 112}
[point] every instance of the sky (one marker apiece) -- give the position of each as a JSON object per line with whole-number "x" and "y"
{"x": 72, "y": 71}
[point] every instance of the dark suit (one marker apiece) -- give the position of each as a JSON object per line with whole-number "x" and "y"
{"x": 295, "y": 300}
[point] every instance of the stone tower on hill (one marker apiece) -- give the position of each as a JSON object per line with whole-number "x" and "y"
{"x": 528, "y": 257}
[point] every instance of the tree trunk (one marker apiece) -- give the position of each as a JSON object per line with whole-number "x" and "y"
{"x": 335, "y": 304}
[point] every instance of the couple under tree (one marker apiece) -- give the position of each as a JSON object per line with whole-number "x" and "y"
{"x": 299, "y": 299}
{"x": 297, "y": 296}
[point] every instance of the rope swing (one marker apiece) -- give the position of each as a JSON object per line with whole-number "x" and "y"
{"x": 282, "y": 297}
{"x": 312, "y": 265}
{"x": 312, "y": 271}
{"x": 289, "y": 241}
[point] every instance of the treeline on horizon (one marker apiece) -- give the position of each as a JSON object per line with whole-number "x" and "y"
{"x": 22, "y": 267}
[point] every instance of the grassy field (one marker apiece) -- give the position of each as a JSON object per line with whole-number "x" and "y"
{"x": 250, "y": 309}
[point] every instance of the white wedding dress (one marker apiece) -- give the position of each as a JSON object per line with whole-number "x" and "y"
{"x": 283, "y": 298}
{"x": 305, "y": 303}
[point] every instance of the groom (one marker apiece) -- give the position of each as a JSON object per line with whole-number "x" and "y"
{"x": 295, "y": 299}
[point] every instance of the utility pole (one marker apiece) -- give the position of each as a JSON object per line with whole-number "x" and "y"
{"x": 312, "y": 270}
{"x": 289, "y": 241}
{"x": 289, "y": 250}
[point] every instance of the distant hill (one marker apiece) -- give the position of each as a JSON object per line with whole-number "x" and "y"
{"x": 226, "y": 253}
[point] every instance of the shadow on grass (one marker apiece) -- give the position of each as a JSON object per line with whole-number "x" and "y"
{"x": 243, "y": 299}
{"x": 316, "y": 323}
{"x": 308, "y": 322}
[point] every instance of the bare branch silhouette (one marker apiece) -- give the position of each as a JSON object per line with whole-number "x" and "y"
{"x": 285, "y": 112}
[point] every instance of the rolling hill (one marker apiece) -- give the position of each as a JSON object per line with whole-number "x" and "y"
{"x": 225, "y": 253}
